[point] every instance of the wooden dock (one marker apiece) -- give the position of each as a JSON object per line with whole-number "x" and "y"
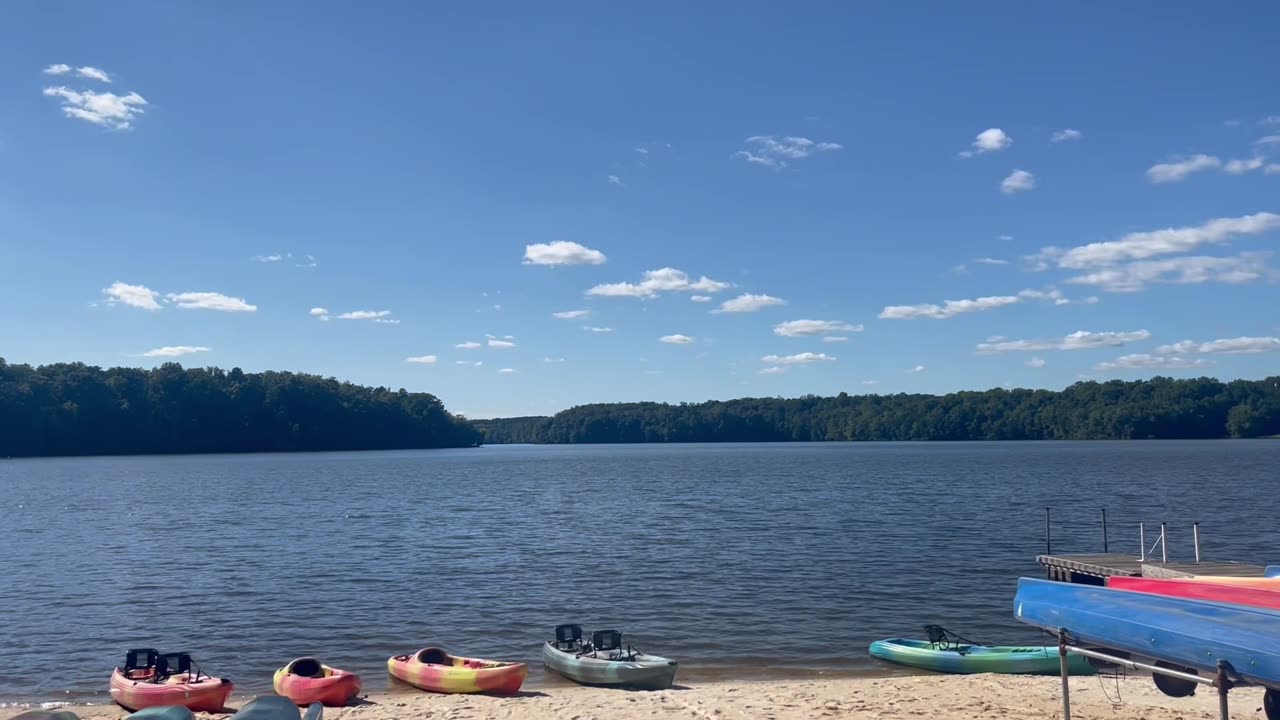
{"x": 1095, "y": 568}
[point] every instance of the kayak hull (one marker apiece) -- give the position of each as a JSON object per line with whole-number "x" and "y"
{"x": 978, "y": 658}
{"x": 333, "y": 687}
{"x": 1212, "y": 592}
{"x": 208, "y": 694}
{"x": 649, "y": 673}
{"x": 456, "y": 674}
{"x": 1192, "y": 633}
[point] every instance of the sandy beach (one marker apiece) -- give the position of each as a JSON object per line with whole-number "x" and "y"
{"x": 933, "y": 696}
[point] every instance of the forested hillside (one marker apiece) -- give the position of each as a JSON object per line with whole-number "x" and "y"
{"x": 1156, "y": 408}
{"x": 75, "y": 409}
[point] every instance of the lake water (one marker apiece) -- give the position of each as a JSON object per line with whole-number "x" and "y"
{"x": 738, "y": 560}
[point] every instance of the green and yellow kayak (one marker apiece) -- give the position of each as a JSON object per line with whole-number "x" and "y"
{"x": 963, "y": 658}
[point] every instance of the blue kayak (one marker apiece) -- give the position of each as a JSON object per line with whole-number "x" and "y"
{"x": 1192, "y": 633}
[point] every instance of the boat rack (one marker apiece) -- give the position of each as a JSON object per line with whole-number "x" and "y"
{"x": 1222, "y": 680}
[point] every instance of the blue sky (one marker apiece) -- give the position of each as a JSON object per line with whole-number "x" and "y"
{"x": 1095, "y": 188}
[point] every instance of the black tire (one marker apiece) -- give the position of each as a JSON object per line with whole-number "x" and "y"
{"x": 1271, "y": 704}
{"x": 1173, "y": 686}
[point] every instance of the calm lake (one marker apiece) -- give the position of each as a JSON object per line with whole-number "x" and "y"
{"x": 743, "y": 560}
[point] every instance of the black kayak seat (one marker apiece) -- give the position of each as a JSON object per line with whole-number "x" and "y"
{"x": 168, "y": 712}
{"x": 268, "y": 707}
{"x": 307, "y": 667}
{"x": 569, "y": 637}
{"x": 604, "y": 640}
{"x": 433, "y": 656}
{"x": 140, "y": 659}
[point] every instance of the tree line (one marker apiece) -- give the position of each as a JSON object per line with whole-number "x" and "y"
{"x": 1160, "y": 408}
{"x": 76, "y": 409}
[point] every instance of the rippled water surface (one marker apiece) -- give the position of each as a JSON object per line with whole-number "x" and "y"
{"x": 748, "y": 560}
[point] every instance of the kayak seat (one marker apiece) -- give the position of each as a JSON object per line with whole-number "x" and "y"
{"x": 569, "y": 638}
{"x": 172, "y": 664}
{"x": 433, "y": 656}
{"x": 943, "y": 639}
{"x": 308, "y": 667}
{"x": 140, "y": 663}
{"x": 604, "y": 640}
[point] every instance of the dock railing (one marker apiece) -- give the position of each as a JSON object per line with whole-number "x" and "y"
{"x": 1144, "y": 553}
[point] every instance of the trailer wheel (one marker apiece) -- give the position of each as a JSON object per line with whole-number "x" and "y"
{"x": 1271, "y": 704}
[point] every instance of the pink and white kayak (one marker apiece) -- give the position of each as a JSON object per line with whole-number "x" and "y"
{"x": 1188, "y": 589}
{"x": 149, "y": 679}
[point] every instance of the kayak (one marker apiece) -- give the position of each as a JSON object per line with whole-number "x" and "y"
{"x": 307, "y": 680}
{"x": 434, "y": 670}
{"x": 978, "y": 658}
{"x": 47, "y": 715}
{"x": 1259, "y": 583}
{"x": 1232, "y": 594}
{"x": 273, "y": 707}
{"x": 168, "y": 712}
{"x": 149, "y": 679}
{"x": 603, "y": 662}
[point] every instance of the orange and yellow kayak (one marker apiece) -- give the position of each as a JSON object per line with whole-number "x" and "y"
{"x": 1257, "y": 583}
{"x": 435, "y": 670}
{"x": 307, "y": 680}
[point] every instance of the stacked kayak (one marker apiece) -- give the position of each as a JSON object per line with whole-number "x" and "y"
{"x": 1191, "y": 590}
{"x": 307, "y": 680}
{"x": 435, "y": 670}
{"x": 47, "y": 715}
{"x": 604, "y": 662}
{"x": 967, "y": 658}
{"x": 1194, "y": 634}
{"x": 170, "y": 712}
{"x": 150, "y": 679}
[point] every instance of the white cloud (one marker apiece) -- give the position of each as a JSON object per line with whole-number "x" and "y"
{"x": 1268, "y": 140}
{"x": 500, "y": 344}
{"x": 771, "y": 151}
{"x": 1180, "y": 168}
{"x": 1065, "y": 136}
{"x": 989, "y": 140}
{"x": 107, "y": 109}
{"x": 1018, "y": 181}
{"x": 422, "y": 359}
{"x": 472, "y": 363}
{"x": 1227, "y": 346}
{"x": 1079, "y": 340}
{"x": 1270, "y": 120}
{"x": 1187, "y": 270}
{"x": 747, "y": 302}
{"x": 641, "y": 150}
{"x": 131, "y": 295}
{"x": 806, "y": 328}
{"x": 552, "y": 360}
{"x": 917, "y": 370}
{"x": 274, "y": 257}
{"x": 470, "y": 345}
{"x": 319, "y": 312}
{"x": 1141, "y": 245}
{"x": 364, "y": 314}
{"x": 507, "y": 371}
{"x": 655, "y": 281}
{"x": 58, "y": 69}
{"x": 835, "y": 339}
{"x": 870, "y": 382}
{"x": 210, "y": 301}
{"x": 990, "y": 261}
{"x": 175, "y": 351}
{"x": 700, "y": 298}
{"x": 1240, "y": 167}
{"x": 1036, "y": 362}
{"x": 1005, "y": 237}
{"x": 561, "y": 252}
{"x": 803, "y": 358}
{"x": 1141, "y": 361}
{"x": 772, "y": 370}
{"x": 615, "y": 180}
{"x": 93, "y": 73}
{"x": 676, "y": 339}
{"x": 571, "y": 314}
{"x": 949, "y": 308}
{"x": 386, "y": 321}
{"x": 592, "y": 328}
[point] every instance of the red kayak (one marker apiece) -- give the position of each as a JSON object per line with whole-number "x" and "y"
{"x": 149, "y": 679}
{"x": 307, "y": 680}
{"x": 1200, "y": 590}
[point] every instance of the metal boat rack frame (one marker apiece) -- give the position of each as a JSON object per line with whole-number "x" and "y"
{"x": 1222, "y": 681}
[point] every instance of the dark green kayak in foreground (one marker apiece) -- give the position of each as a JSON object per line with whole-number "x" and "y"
{"x": 47, "y": 715}
{"x": 168, "y": 712}
{"x": 274, "y": 707}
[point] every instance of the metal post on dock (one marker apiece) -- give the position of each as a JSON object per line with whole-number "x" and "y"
{"x": 1048, "y": 544}
{"x": 1105, "y": 549}
{"x": 1195, "y": 533}
{"x": 1142, "y": 543}
{"x": 1223, "y": 683}
{"x": 1066, "y": 671}
{"x": 1164, "y": 550}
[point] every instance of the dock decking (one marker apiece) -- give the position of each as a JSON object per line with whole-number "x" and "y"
{"x": 1094, "y": 568}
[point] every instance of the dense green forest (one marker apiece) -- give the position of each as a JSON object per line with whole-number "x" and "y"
{"x": 75, "y": 409}
{"x": 1156, "y": 408}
